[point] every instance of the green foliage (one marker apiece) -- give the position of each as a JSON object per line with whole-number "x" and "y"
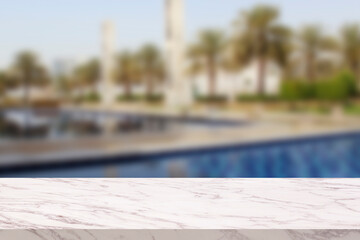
{"x": 339, "y": 88}
{"x": 153, "y": 98}
{"x": 128, "y": 71}
{"x": 256, "y": 98}
{"x": 28, "y": 71}
{"x": 2, "y": 83}
{"x": 350, "y": 81}
{"x": 330, "y": 90}
{"x": 352, "y": 109}
{"x": 129, "y": 98}
{"x": 212, "y": 99}
{"x": 294, "y": 90}
{"x": 351, "y": 46}
{"x": 205, "y": 55}
{"x": 87, "y": 74}
{"x": 290, "y": 91}
{"x": 92, "y": 97}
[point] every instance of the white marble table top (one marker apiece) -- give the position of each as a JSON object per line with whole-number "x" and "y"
{"x": 179, "y": 203}
{"x": 76, "y": 234}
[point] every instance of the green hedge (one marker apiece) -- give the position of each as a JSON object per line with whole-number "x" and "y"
{"x": 93, "y": 97}
{"x": 211, "y": 99}
{"x": 339, "y": 88}
{"x": 129, "y": 98}
{"x": 256, "y": 98}
{"x": 293, "y": 90}
{"x": 155, "y": 98}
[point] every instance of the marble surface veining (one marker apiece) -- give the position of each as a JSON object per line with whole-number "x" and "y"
{"x": 180, "y": 234}
{"x": 180, "y": 204}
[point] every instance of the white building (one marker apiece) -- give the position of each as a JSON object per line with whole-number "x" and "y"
{"x": 243, "y": 82}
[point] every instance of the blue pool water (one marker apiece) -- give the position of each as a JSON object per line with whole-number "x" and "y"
{"x": 331, "y": 156}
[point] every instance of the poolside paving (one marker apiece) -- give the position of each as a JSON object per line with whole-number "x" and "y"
{"x": 261, "y": 128}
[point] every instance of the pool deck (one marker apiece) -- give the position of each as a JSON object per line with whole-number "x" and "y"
{"x": 180, "y": 204}
{"x": 264, "y": 127}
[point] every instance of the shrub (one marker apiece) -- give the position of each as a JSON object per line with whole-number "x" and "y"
{"x": 291, "y": 90}
{"x": 255, "y": 98}
{"x": 294, "y": 90}
{"x": 129, "y": 98}
{"x": 339, "y": 88}
{"x": 92, "y": 97}
{"x": 211, "y": 99}
{"x": 349, "y": 80}
{"x": 154, "y": 98}
{"x": 308, "y": 90}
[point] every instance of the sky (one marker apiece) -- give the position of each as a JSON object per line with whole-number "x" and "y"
{"x": 70, "y": 29}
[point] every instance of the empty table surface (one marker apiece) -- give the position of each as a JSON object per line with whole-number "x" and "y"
{"x": 179, "y": 203}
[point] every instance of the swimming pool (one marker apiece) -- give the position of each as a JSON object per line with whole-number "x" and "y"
{"x": 327, "y": 156}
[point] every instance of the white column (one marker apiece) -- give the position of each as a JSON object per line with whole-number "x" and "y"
{"x": 107, "y": 63}
{"x": 178, "y": 91}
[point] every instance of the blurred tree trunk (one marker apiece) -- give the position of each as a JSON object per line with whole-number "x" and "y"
{"x": 150, "y": 86}
{"x": 261, "y": 74}
{"x": 310, "y": 71}
{"x": 212, "y": 77}
{"x": 128, "y": 89}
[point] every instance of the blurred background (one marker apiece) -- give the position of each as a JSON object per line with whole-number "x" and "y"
{"x": 175, "y": 88}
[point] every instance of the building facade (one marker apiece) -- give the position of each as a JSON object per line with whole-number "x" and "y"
{"x": 242, "y": 82}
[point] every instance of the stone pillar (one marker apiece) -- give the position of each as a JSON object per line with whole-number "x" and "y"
{"x": 178, "y": 91}
{"x": 107, "y": 86}
{"x": 107, "y": 64}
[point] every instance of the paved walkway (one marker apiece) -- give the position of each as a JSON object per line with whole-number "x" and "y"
{"x": 266, "y": 127}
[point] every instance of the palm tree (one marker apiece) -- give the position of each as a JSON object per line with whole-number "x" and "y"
{"x": 262, "y": 38}
{"x": 151, "y": 66}
{"x": 237, "y": 53}
{"x": 206, "y": 55}
{"x": 128, "y": 71}
{"x": 28, "y": 71}
{"x": 88, "y": 74}
{"x": 351, "y": 48}
{"x": 3, "y": 82}
{"x": 312, "y": 42}
{"x": 63, "y": 86}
